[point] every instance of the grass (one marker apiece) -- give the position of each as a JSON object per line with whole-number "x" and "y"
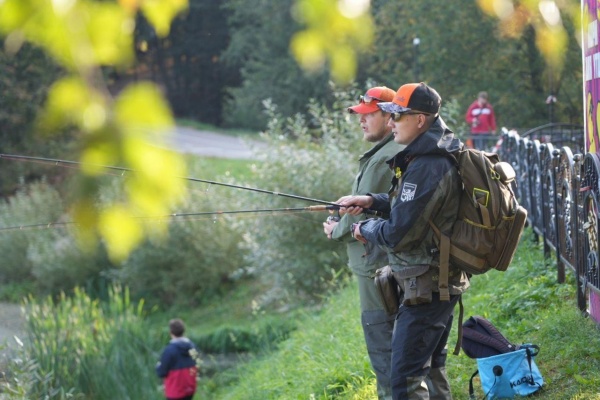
{"x": 234, "y": 323}
{"x": 212, "y": 167}
{"x": 211, "y": 128}
{"x": 325, "y": 358}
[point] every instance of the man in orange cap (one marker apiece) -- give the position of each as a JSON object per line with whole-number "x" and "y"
{"x": 426, "y": 187}
{"x": 373, "y": 176}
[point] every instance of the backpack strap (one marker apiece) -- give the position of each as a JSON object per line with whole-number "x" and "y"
{"x": 484, "y": 213}
{"x": 444, "y": 267}
{"x": 459, "y": 336}
{"x": 443, "y": 281}
{"x": 471, "y": 389}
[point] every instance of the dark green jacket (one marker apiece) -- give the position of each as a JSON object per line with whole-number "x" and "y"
{"x": 373, "y": 176}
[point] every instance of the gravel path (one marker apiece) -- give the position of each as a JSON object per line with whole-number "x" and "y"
{"x": 212, "y": 144}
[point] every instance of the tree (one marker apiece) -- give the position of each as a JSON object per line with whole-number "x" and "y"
{"x": 25, "y": 78}
{"x": 82, "y": 36}
{"x": 455, "y": 55}
{"x": 187, "y": 63}
{"x": 460, "y": 59}
{"x": 261, "y": 34}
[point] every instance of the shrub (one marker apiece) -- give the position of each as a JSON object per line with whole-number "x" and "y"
{"x": 34, "y": 204}
{"x": 188, "y": 267}
{"x": 260, "y": 337}
{"x": 314, "y": 158}
{"x": 84, "y": 346}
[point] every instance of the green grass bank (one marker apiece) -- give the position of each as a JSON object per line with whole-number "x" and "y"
{"x": 325, "y": 358}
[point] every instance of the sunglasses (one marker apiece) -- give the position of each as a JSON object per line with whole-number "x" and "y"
{"x": 368, "y": 99}
{"x": 397, "y": 116}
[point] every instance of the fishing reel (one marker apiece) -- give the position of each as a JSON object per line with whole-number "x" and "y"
{"x": 333, "y": 218}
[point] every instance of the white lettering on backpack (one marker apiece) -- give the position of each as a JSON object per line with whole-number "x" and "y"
{"x": 408, "y": 191}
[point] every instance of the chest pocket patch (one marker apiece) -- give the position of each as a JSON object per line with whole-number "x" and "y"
{"x": 408, "y": 191}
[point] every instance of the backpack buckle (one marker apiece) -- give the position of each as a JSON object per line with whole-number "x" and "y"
{"x": 481, "y": 196}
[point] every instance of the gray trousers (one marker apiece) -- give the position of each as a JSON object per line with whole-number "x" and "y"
{"x": 419, "y": 350}
{"x": 378, "y": 327}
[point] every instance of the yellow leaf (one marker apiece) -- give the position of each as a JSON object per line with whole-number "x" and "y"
{"x": 157, "y": 183}
{"x": 13, "y": 14}
{"x": 332, "y": 32}
{"x": 353, "y": 8}
{"x": 110, "y": 31}
{"x": 161, "y": 13}
{"x": 141, "y": 107}
{"x": 308, "y": 50}
{"x": 513, "y": 26}
{"x": 66, "y": 101}
{"x": 85, "y": 215}
{"x": 499, "y": 8}
{"x": 552, "y": 42}
{"x": 487, "y": 6}
{"x": 120, "y": 230}
{"x": 97, "y": 155}
{"x": 129, "y": 6}
{"x": 343, "y": 64}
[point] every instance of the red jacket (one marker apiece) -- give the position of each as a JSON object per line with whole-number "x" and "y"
{"x": 481, "y": 119}
{"x": 178, "y": 368}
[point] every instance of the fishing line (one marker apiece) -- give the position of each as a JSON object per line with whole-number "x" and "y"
{"x": 182, "y": 216}
{"x": 59, "y": 162}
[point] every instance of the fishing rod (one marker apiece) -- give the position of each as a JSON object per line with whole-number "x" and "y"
{"x": 174, "y": 215}
{"x": 59, "y": 162}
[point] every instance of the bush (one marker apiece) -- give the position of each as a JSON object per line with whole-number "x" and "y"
{"x": 313, "y": 158}
{"x": 188, "y": 267}
{"x": 260, "y": 337}
{"x": 101, "y": 351}
{"x": 34, "y": 204}
{"x": 193, "y": 263}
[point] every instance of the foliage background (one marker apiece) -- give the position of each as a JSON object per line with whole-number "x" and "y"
{"x": 226, "y": 65}
{"x": 461, "y": 53}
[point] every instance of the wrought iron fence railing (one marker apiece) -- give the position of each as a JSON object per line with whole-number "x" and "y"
{"x": 559, "y": 185}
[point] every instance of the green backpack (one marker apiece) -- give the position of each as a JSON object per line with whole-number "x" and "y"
{"x": 490, "y": 220}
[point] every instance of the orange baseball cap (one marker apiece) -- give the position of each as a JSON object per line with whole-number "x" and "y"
{"x": 414, "y": 97}
{"x": 368, "y": 102}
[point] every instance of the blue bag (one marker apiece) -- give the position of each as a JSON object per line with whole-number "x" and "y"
{"x": 506, "y": 375}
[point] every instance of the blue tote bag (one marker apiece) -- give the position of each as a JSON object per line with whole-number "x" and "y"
{"x": 506, "y": 375}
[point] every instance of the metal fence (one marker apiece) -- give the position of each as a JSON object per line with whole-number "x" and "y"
{"x": 559, "y": 185}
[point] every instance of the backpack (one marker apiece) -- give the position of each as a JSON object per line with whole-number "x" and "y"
{"x": 505, "y": 369}
{"x": 482, "y": 339}
{"x": 490, "y": 221}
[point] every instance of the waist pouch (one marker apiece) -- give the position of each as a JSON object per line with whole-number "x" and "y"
{"x": 387, "y": 289}
{"x": 415, "y": 281}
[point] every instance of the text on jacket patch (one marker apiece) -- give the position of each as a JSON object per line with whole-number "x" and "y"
{"x": 408, "y": 191}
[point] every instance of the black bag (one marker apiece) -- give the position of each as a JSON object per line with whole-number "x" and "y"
{"x": 506, "y": 370}
{"x": 482, "y": 339}
{"x": 388, "y": 289}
